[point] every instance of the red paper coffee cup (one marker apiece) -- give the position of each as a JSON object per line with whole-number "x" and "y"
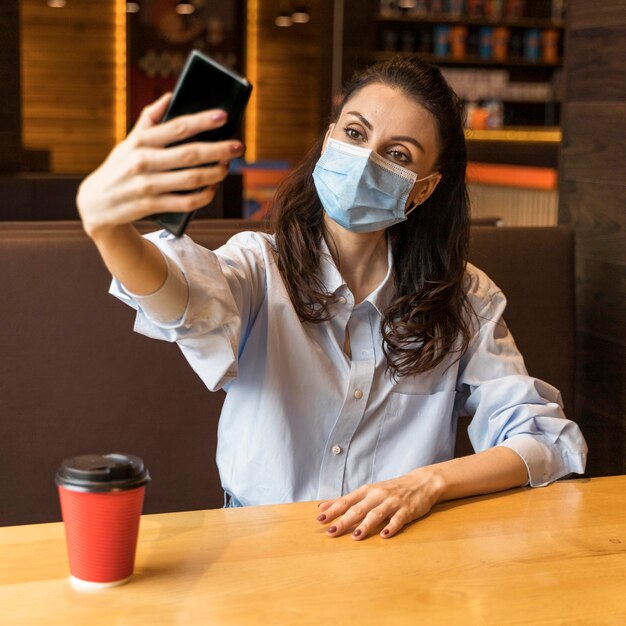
{"x": 101, "y": 500}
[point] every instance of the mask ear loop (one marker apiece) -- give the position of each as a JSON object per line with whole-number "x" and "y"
{"x": 411, "y": 209}
{"x": 416, "y": 204}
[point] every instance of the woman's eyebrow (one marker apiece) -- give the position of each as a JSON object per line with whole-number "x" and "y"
{"x": 412, "y": 140}
{"x": 369, "y": 126}
{"x": 361, "y": 119}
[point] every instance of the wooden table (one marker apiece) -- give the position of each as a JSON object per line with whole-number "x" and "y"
{"x": 555, "y": 555}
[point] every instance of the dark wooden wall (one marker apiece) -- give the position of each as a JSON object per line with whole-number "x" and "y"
{"x": 10, "y": 115}
{"x": 292, "y": 86}
{"x": 593, "y": 203}
{"x": 68, "y": 81}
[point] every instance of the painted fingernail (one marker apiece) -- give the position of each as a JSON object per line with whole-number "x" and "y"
{"x": 356, "y": 533}
{"x": 218, "y": 116}
{"x": 332, "y": 529}
{"x": 321, "y": 518}
{"x": 236, "y": 148}
{"x": 385, "y": 532}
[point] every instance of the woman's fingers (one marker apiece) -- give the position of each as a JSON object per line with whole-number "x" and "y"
{"x": 346, "y": 511}
{"x": 153, "y": 113}
{"x": 177, "y": 129}
{"x": 384, "y": 507}
{"x": 367, "y": 517}
{"x": 361, "y": 518}
{"x": 166, "y": 203}
{"x": 188, "y": 155}
{"x": 156, "y": 184}
{"x": 374, "y": 521}
{"x": 395, "y": 525}
{"x": 332, "y": 509}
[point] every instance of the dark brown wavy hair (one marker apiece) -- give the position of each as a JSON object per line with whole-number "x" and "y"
{"x": 428, "y": 318}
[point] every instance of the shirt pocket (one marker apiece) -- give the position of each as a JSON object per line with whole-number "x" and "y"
{"x": 417, "y": 429}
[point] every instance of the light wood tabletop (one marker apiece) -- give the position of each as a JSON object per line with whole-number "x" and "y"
{"x": 555, "y": 555}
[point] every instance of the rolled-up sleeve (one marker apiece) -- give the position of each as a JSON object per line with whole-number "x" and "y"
{"x": 215, "y": 294}
{"x": 510, "y": 408}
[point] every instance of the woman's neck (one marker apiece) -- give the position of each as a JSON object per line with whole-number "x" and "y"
{"x": 361, "y": 257}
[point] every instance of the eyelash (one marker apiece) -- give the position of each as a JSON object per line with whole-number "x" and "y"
{"x": 354, "y": 135}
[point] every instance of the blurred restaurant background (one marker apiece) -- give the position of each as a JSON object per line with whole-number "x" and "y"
{"x": 543, "y": 82}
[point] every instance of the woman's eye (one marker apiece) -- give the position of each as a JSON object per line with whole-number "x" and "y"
{"x": 398, "y": 156}
{"x": 352, "y": 133}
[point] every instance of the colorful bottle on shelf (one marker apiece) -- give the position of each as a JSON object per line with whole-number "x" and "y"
{"x": 550, "y": 45}
{"x": 485, "y": 44}
{"x": 532, "y": 44}
{"x": 441, "y": 47}
{"x": 500, "y": 43}
{"x": 458, "y": 42}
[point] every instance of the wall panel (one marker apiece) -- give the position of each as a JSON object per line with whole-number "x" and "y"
{"x": 292, "y": 90}
{"x": 68, "y": 77}
{"x": 10, "y": 118}
{"x": 594, "y": 146}
{"x": 593, "y": 203}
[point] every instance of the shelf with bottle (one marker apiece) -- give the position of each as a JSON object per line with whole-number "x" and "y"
{"x": 525, "y": 13}
{"x": 469, "y": 60}
{"x": 479, "y": 45}
{"x": 471, "y": 32}
{"x": 521, "y": 22}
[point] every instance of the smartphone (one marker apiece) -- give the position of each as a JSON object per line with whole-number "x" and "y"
{"x": 204, "y": 84}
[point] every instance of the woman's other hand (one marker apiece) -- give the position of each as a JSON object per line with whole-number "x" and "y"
{"x": 387, "y": 506}
{"x": 141, "y": 174}
{"x": 383, "y": 507}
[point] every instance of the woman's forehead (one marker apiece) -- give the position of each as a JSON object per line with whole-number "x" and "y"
{"x": 390, "y": 110}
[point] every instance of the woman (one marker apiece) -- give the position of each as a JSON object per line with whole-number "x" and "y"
{"x": 351, "y": 340}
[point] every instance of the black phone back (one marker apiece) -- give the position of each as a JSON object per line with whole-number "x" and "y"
{"x": 205, "y": 84}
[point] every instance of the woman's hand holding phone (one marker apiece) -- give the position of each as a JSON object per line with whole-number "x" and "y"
{"x": 141, "y": 175}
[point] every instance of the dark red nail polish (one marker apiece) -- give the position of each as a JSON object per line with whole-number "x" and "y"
{"x": 332, "y": 529}
{"x": 385, "y": 532}
{"x": 357, "y": 532}
{"x": 321, "y": 518}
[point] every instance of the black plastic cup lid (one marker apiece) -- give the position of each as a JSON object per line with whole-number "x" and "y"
{"x": 102, "y": 473}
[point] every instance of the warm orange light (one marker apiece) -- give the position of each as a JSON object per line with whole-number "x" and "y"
{"x": 252, "y": 44}
{"x": 120, "y": 70}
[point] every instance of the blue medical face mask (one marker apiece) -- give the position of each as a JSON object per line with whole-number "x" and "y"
{"x": 360, "y": 190}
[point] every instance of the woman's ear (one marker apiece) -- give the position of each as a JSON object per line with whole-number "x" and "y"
{"x": 331, "y": 127}
{"x": 423, "y": 190}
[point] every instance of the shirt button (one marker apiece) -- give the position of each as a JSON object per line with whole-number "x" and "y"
{"x": 358, "y": 394}
{"x": 342, "y": 300}
{"x": 336, "y": 450}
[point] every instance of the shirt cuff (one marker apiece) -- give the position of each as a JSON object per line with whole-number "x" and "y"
{"x": 542, "y": 459}
{"x": 168, "y": 303}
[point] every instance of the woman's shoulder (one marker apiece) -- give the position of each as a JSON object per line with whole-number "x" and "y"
{"x": 479, "y": 287}
{"x": 252, "y": 238}
{"x": 208, "y": 238}
{"x": 250, "y": 242}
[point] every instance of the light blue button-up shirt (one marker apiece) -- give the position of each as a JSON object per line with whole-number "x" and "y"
{"x": 302, "y": 420}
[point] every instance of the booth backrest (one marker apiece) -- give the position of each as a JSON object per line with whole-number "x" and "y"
{"x": 75, "y": 379}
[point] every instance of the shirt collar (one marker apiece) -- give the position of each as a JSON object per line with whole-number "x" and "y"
{"x": 333, "y": 280}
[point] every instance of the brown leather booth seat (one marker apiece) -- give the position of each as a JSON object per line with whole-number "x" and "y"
{"x": 75, "y": 378}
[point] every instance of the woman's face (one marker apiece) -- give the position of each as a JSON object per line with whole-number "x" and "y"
{"x": 385, "y": 120}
